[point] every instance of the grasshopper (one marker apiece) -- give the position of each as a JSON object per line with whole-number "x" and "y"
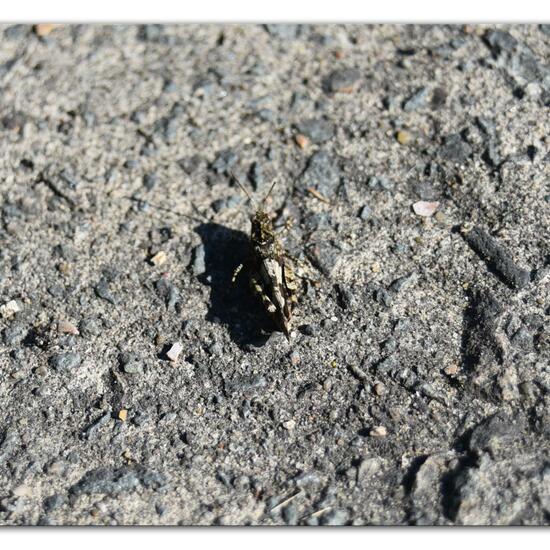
{"x": 271, "y": 276}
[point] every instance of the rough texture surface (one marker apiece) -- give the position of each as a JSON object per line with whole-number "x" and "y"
{"x": 417, "y": 386}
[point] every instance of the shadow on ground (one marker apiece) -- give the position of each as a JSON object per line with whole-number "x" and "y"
{"x": 232, "y": 305}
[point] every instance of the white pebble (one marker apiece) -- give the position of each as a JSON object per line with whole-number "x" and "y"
{"x": 10, "y": 308}
{"x": 174, "y": 352}
{"x": 289, "y": 425}
{"x": 425, "y": 208}
{"x": 378, "y": 431}
{"x": 65, "y": 327}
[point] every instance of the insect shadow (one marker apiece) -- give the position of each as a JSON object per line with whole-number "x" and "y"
{"x": 231, "y": 304}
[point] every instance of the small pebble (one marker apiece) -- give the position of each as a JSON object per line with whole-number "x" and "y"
{"x": 102, "y": 291}
{"x": 451, "y": 370}
{"x": 123, "y": 415}
{"x": 341, "y": 80}
{"x": 131, "y": 363}
{"x": 174, "y": 352}
{"x": 379, "y": 388}
{"x": 302, "y": 141}
{"x": 198, "y": 265}
{"x": 425, "y": 208}
{"x": 65, "y": 361}
{"x": 403, "y": 137}
{"x": 159, "y": 258}
{"x": 378, "y": 431}
{"x": 22, "y": 491}
{"x": 10, "y": 308}
{"x": 64, "y": 327}
{"x": 289, "y": 425}
{"x": 317, "y": 130}
{"x": 44, "y": 29}
{"x": 365, "y": 213}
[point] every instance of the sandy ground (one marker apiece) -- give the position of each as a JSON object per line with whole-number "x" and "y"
{"x": 412, "y": 163}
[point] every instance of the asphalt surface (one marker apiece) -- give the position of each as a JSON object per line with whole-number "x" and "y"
{"x": 139, "y": 386}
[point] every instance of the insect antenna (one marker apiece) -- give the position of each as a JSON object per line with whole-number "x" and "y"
{"x": 269, "y": 192}
{"x": 243, "y": 188}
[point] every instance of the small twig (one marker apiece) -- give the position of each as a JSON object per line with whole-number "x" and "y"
{"x": 286, "y": 501}
{"x": 317, "y": 513}
{"x": 56, "y": 191}
{"x": 317, "y": 195}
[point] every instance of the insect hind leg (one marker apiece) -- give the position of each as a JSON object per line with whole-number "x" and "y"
{"x": 236, "y": 273}
{"x": 259, "y": 291}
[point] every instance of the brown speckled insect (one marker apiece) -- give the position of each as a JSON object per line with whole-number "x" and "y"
{"x": 271, "y": 275}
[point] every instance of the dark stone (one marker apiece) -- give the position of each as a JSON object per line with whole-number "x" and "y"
{"x": 95, "y": 426}
{"x": 317, "y": 130}
{"x": 290, "y": 514}
{"x": 345, "y": 297}
{"x": 17, "y": 32}
{"x": 89, "y": 327}
{"x": 455, "y": 149}
{"x": 439, "y": 97}
{"x": 380, "y": 183}
{"x": 285, "y": 31}
{"x": 168, "y": 292}
{"x": 494, "y": 433}
{"x": 151, "y": 32}
{"x": 131, "y": 363}
{"x": 150, "y": 180}
{"x": 113, "y": 481}
{"x": 308, "y": 330}
{"x": 102, "y": 291}
{"x": 341, "y": 80}
{"x": 523, "y": 339}
{"x": 491, "y": 155}
{"x": 256, "y": 175}
{"x": 487, "y": 125}
{"x": 65, "y": 361}
{"x": 53, "y": 502}
{"x": 500, "y": 41}
{"x": 415, "y": 101}
{"x": 323, "y": 255}
{"x": 191, "y": 164}
{"x": 224, "y": 161}
{"x": 402, "y": 283}
{"x": 531, "y": 152}
{"x": 222, "y": 204}
{"x": 498, "y": 259}
{"x": 321, "y": 174}
{"x": 365, "y": 213}
{"x": 267, "y": 114}
{"x": 170, "y": 129}
{"x": 382, "y": 296}
{"x": 15, "y": 334}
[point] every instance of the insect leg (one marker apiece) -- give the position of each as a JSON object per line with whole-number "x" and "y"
{"x": 257, "y": 289}
{"x": 236, "y": 273}
{"x": 286, "y": 227}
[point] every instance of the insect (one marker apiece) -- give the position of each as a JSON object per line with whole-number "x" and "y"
{"x": 271, "y": 276}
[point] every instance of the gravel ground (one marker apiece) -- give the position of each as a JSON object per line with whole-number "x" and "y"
{"x": 413, "y": 163}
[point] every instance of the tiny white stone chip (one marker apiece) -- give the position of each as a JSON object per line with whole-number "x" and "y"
{"x": 10, "y": 308}
{"x": 425, "y": 208}
{"x": 378, "y": 431}
{"x": 174, "y": 352}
